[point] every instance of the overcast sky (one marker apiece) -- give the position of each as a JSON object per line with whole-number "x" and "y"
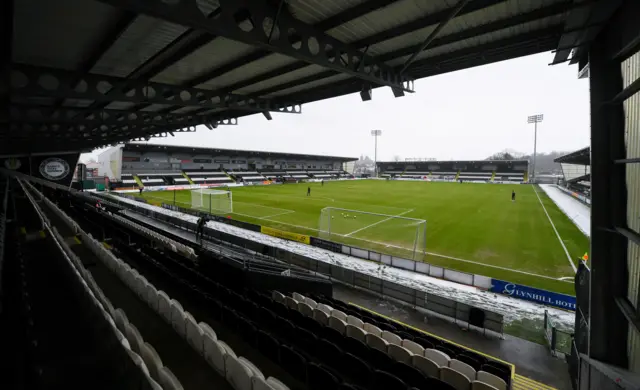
{"x": 469, "y": 114}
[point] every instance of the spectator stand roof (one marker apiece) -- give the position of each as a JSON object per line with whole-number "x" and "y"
{"x": 579, "y": 157}
{"x": 501, "y": 162}
{"x": 144, "y": 148}
{"x": 87, "y": 73}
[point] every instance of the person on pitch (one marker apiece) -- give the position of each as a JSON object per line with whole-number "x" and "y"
{"x": 513, "y": 195}
{"x": 308, "y": 191}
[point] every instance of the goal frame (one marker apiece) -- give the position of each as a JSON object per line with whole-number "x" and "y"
{"x": 415, "y": 250}
{"x": 212, "y": 192}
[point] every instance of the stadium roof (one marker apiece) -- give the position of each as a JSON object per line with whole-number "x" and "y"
{"x": 455, "y": 162}
{"x": 579, "y": 157}
{"x": 228, "y": 152}
{"x": 87, "y": 73}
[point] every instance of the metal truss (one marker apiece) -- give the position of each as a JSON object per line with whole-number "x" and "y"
{"x": 250, "y": 22}
{"x": 98, "y": 117}
{"x": 30, "y": 81}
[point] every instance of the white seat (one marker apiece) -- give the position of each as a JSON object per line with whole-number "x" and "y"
{"x": 325, "y": 308}
{"x": 206, "y": 329}
{"x": 168, "y": 381}
{"x": 277, "y": 296}
{"x": 238, "y": 375}
{"x": 177, "y": 318}
{"x": 154, "y": 385}
{"x": 194, "y": 333}
{"x": 123, "y": 340}
{"x": 455, "y": 378}
{"x": 227, "y": 348}
{"x": 491, "y": 379}
{"x": 214, "y": 354}
{"x": 256, "y": 372}
{"x": 464, "y": 368}
{"x": 477, "y": 385}
{"x": 152, "y": 360}
{"x": 372, "y": 329}
{"x": 357, "y": 333}
{"x": 426, "y": 366}
{"x": 291, "y": 303}
{"x": 134, "y": 337}
{"x": 438, "y": 357}
{"x": 305, "y": 309}
{"x": 339, "y": 314}
{"x": 260, "y": 384}
{"x": 276, "y": 384}
{"x": 120, "y": 318}
{"x": 377, "y": 342}
{"x": 108, "y": 307}
{"x": 164, "y": 306}
{"x": 311, "y": 303}
{"x": 138, "y": 361}
{"x": 355, "y": 321}
{"x": 414, "y": 347}
{"x": 299, "y": 297}
{"x": 399, "y": 354}
{"x": 392, "y": 338}
{"x": 337, "y": 324}
{"x": 321, "y": 317}
{"x": 152, "y": 297}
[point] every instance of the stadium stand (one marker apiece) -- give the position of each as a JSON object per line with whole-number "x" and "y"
{"x": 300, "y": 175}
{"x": 576, "y": 169}
{"x": 127, "y": 180}
{"x": 152, "y": 179}
{"x": 470, "y": 171}
{"x": 208, "y": 177}
{"x": 250, "y": 176}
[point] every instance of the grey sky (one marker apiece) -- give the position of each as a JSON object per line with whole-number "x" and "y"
{"x": 468, "y": 114}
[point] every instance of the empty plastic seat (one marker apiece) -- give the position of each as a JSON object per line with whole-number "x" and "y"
{"x": 383, "y": 380}
{"x": 214, "y": 353}
{"x": 268, "y": 345}
{"x": 206, "y": 329}
{"x": 299, "y": 297}
{"x": 321, "y": 316}
{"x": 356, "y": 369}
{"x": 391, "y": 338}
{"x": 258, "y": 383}
{"x": 355, "y": 321}
{"x": 410, "y": 375}
{"x": 455, "y": 378}
{"x": 177, "y": 318}
{"x": 379, "y": 359}
{"x": 356, "y": 332}
{"x": 472, "y": 361}
{"x": 134, "y": 337}
{"x": 327, "y": 351}
{"x": 497, "y": 371}
{"x": 376, "y": 342}
{"x": 305, "y": 309}
{"x": 238, "y": 375}
{"x": 412, "y": 346}
{"x": 356, "y": 347}
{"x": 278, "y": 296}
{"x": 276, "y": 384}
{"x": 164, "y": 306}
{"x": 399, "y": 354}
{"x": 293, "y": 362}
{"x": 491, "y": 379}
{"x": 478, "y": 385}
{"x": 440, "y": 358}
{"x": 338, "y": 324}
{"x": 464, "y": 368}
{"x": 425, "y": 343}
{"x": 311, "y": 302}
{"x": 120, "y": 318}
{"x": 254, "y": 370}
{"x": 194, "y": 333}
{"x": 339, "y": 314}
{"x": 325, "y": 308}
{"x": 168, "y": 381}
{"x": 291, "y": 303}
{"x": 427, "y": 366}
{"x": 152, "y": 360}
{"x": 446, "y": 350}
{"x": 152, "y": 297}
{"x": 319, "y": 378}
{"x": 369, "y": 328}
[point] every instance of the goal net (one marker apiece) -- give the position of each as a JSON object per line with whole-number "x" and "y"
{"x": 212, "y": 201}
{"x": 396, "y": 234}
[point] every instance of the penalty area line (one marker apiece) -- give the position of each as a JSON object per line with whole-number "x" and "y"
{"x": 556, "y": 231}
{"x": 377, "y": 223}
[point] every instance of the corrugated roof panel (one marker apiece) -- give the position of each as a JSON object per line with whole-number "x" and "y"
{"x": 312, "y": 84}
{"x": 120, "y": 105}
{"x": 210, "y": 56}
{"x": 77, "y": 103}
{"x": 39, "y": 40}
{"x": 138, "y": 43}
{"x": 314, "y": 11}
{"x": 296, "y": 74}
{"x": 396, "y": 14}
{"x": 251, "y": 69}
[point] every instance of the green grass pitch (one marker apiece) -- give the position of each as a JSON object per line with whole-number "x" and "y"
{"x": 470, "y": 227}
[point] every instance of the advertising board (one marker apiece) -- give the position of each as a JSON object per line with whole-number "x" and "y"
{"x": 286, "y": 235}
{"x": 527, "y": 293}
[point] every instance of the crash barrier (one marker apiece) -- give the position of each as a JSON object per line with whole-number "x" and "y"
{"x": 442, "y": 306}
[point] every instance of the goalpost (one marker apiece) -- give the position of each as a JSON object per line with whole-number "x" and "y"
{"x": 367, "y": 229}
{"x": 213, "y": 201}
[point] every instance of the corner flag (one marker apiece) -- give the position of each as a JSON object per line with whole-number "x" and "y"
{"x": 585, "y": 257}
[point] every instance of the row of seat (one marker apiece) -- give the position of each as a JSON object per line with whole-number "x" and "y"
{"x": 477, "y": 361}
{"x": 239, "y": 371}
{"x": 431, "y": 362}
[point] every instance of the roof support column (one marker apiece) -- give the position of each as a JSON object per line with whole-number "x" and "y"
{"x": 608, "y": 326}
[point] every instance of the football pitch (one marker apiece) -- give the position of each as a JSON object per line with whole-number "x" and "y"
{"x": 474, "y": 228}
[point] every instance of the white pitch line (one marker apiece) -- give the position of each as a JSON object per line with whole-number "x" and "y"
{"x": 282, "y": 213}
{"x": 575, "y": 269}
{"x": 377, "y": 223}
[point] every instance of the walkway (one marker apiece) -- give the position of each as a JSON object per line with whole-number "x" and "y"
{"x": 577, "y": 211}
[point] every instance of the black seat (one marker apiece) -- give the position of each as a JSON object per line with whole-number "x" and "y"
{"x": 328, "y": 352}
{"x": 388, "y": 327}
{"x": 426, "y": 343}
{"x": 356, "y": 348}
{"x": 247, "y": 330}
{"x": 268, "y": 345}
{"x": 379, "y": 360}
{"x": 470, "y": 361}
{"x": 284, "y": 328}
{"x": 332, "y": 335}
{"x": 410, "y": 375}
{"x": 293, "y": 362}
{"x": 304, "y": 339}
{"x": 383, "y": 380}
{"x": 446, "y": 350}
{"x": 435, "y": 384}
{"x": 319, "y": 378}
{"x": 356, "y": 370}
{"x": 405, "y": 335}
{"x": 498, "y": 371}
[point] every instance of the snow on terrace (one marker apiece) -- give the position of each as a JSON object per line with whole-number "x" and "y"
{"x": 577, "y": 211}
{"x": 511, "y": 308}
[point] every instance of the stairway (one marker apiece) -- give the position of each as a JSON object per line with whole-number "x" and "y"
{"x": 187, "y": 177}
{"x": 137, "y": 179}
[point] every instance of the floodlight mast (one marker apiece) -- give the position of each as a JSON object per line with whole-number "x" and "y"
{"x": 376, "y": 134}
{"x": 535, "y": 119}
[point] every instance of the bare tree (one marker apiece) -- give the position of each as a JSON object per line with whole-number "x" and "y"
{"x": 396, "y": 158}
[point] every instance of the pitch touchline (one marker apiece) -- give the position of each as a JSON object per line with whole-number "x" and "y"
{"x": 377, "y": 223}
{"x": 556, "y": 231}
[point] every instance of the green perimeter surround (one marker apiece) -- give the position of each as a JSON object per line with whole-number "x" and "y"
{"x": 476, "y": 222}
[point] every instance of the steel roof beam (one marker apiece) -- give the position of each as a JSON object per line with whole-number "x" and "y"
{"x": 243, "y": 21}
{"x": 29, "y": 81}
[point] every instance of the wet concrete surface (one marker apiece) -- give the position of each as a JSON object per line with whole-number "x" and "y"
{"x": 531, "y": 360}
